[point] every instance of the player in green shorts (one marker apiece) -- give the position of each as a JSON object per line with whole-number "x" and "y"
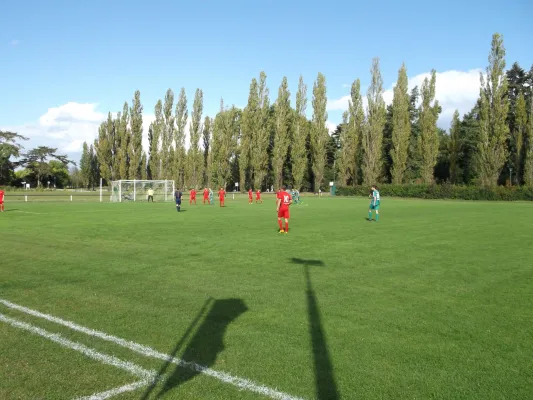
{"x": 374, "y": 203}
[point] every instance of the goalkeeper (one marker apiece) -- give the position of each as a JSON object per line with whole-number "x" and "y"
{"x": 210, "y": 196}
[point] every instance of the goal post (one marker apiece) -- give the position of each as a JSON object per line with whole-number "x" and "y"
{"x": 137, "y": 190}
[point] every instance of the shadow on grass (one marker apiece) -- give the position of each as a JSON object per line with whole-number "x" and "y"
{"x": 177, "y": 348}
{"x": 204, "y": 347}
{"x": 326, "y": 387}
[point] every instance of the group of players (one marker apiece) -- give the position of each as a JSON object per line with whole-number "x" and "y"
{"x": 283, "y": 201}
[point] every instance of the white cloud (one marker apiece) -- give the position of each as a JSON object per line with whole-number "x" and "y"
{"x": 454, "y": 90}
{"x": 66, "y": 128}
{"x": 331, "y": 126}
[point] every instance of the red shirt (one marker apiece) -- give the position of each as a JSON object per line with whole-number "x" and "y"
{"x": 285, "y": 200}
{"x": 1, "y": 196}
{"x": 193, "y": 193}
{"x": 250, "y": 193}
{"x": 258, "y": 194}
{"x": 206, "y": 193}
{"x": 221, "y": 193}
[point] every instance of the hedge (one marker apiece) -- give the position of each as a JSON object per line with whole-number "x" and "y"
{"x": 444, "y": 191}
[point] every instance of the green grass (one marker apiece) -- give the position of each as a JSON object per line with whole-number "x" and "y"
{"x": 434, "y": 301}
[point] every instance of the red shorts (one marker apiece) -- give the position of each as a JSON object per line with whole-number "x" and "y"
{"x": 258, "y": 197}
{"x": 283, "y": 213}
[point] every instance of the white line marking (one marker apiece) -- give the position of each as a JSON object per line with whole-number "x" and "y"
{"x": 241, "y": 383}
{"x": 91, "y": 353}
{"x": 116, "y": 391}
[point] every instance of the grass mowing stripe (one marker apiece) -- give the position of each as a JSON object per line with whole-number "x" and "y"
{"x": 114, "y": 392}
{"x": 91, "y": 353}
{"x": 241, "y": 383}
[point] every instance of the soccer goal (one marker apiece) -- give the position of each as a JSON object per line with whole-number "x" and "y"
{"x": 138, "y": 190}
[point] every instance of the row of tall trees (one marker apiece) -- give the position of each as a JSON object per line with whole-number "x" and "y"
{"x": 268, "y": 143}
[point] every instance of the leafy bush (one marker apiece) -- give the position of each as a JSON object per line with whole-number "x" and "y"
{"x": 444, "y": 191}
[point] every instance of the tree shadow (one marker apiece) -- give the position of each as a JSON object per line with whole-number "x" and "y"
{"x": 11, "y": 209}
{"x": 326, "y": 387}
{"x": 177, "y": 347}
{"x": 206, "y": 344}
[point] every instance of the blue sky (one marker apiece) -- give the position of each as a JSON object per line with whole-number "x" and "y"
{"x": 65, "y": 64}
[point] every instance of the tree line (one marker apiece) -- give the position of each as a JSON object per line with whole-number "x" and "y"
{"x": 268, "y": 143}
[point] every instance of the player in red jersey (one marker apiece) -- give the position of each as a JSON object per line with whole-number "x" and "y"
{"x": 192, "y": 196}
{"x": 206, "y": 196}
{"x": 283, "y": 201}
{"x": 2, "y": 200}
{"x": 258, "y": 196}
{"x": 221, "y": 196}
{"x": 250, "y": 196}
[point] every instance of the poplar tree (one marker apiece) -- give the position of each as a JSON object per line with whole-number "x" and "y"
{"x": 494, "y": 107}
{"x": 261, "y": 134}
{"x": 154, "y": 139}
{"x": 104, "y": 151}
{"x": 167, "y": 137}
{"x": 95, "y": 171}
{"x": 319, "y": 130}
{"x": 373, "y": 131}
{"x": 250, "y": 120}
{"x": 428, "y": 141}
{"x": 207, "y": 138}
{"x": 179, "y": 138}
{"x": 298, "y": 150}
{"x": 281, "y": 136}
{"x": 123, "y": 146}
{"x": 520, "y": 132}
{"x": 455, "y": 147}
{"x": 350, "y": 137}
{"x": 85, "y": 165}
{"x": 224, "y": 138}
{"x": 136, "y": 151}
{"x": 195, "y": 159}
{"x": 144, "y": 167}
{"x": 528, "y": 162}
{"x": 401, "y": 127}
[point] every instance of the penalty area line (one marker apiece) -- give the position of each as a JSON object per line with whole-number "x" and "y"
{"x": 148, "y": 376}
{"x": 241, "y": 383}
{"x": 130, "y": 387}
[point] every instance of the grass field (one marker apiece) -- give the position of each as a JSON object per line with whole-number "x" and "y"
{"x": 435, "y": 301}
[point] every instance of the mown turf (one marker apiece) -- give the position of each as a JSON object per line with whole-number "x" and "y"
{"x": 434, "y": 301}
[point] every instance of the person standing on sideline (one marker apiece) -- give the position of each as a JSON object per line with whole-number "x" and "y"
{"x": 177, "y": 196}
{"x": 150, "y": 195}
{"x": 283, "y": 202}
{"x": 2, "y": 193}
{"x": 221, "y": 196}
{"x": 374, "y": 203}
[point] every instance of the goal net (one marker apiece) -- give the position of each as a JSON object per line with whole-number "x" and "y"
{"x": 138, "y": 190}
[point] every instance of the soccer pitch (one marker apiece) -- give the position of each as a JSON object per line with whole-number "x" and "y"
{"x": 137, "y": 301}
